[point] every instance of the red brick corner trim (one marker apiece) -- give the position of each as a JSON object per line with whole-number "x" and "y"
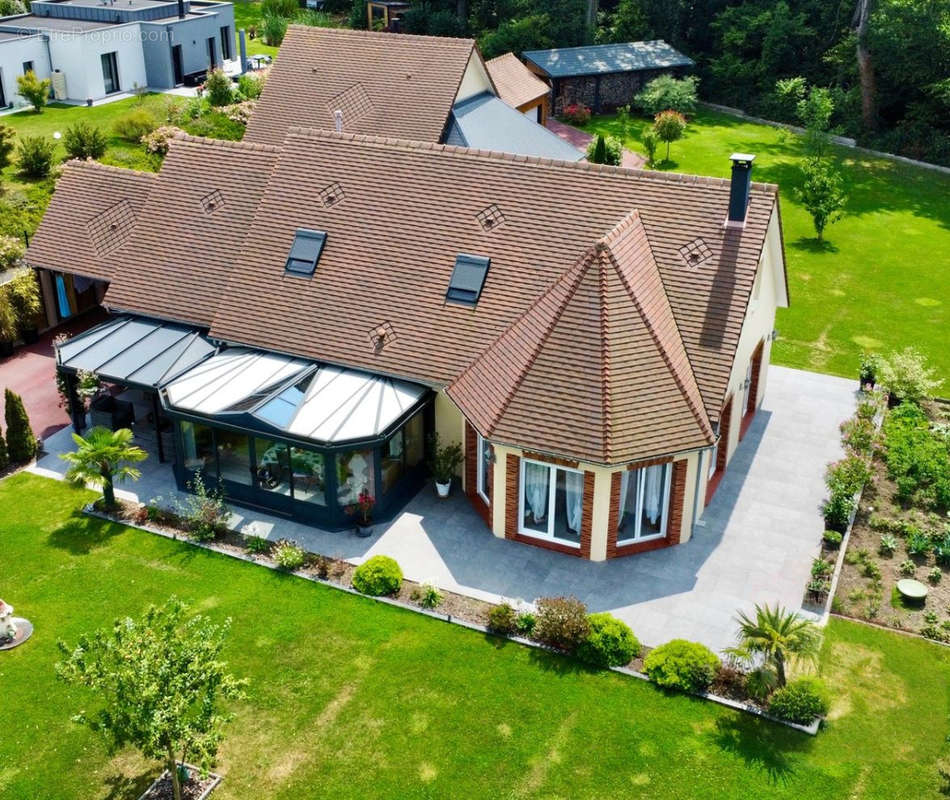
{"x": 470, "y": 476}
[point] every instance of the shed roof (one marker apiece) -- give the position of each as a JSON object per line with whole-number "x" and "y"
{"x": 516, "y": 84}
{"x": 385, "y": 84}
{"x": 485, "y": 122}
{"x": 596, "y": 59}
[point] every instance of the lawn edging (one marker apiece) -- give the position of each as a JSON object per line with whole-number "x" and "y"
{"x": 735, "y": 705}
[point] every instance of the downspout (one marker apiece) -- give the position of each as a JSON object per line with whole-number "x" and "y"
{"x": 49, "y": 52}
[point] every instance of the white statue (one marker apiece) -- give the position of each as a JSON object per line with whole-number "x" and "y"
{"x": 7, "y": 628}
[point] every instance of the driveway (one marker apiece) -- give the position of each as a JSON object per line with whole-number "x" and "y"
{"x": 754, "y": 544}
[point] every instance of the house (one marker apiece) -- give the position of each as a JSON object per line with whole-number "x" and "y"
{"x": 519, "y": 87}
{"x": 419, "y": 88}
{"x": 605, "y": 76}
{"x": 91, "y": 49}
{"x": 305, "y": 338}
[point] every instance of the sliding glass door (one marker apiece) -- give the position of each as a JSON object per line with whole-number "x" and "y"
{"x": 110, "y": 72}
{"x": 552, "y": 502}
{"x": 644, "y": 504}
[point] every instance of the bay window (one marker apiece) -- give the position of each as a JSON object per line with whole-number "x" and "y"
{"x": 644, "y": 503}
{"x": 552, "y": 502}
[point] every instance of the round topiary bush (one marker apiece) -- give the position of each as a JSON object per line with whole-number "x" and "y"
{"x": 800, "y": 701}
{"x": 680, "y": 664}
{"x": 379, "y": 575}
{"x": 610, "y": 642}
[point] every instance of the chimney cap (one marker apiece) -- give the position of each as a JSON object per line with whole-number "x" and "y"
{"x": 742, "y": 157}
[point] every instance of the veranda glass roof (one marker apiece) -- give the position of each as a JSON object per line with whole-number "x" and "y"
{"x": 300, "y": 398}
{"x": 135, "y": 351}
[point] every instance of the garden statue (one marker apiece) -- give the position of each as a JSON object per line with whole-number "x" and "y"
{"x": 7, "y": 626}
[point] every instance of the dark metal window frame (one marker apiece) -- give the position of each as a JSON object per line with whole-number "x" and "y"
{"x": 300, "y": 266}
{"x": 469, "y": 271}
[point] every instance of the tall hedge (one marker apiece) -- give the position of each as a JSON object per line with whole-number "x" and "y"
{"x": 21, "y": 442}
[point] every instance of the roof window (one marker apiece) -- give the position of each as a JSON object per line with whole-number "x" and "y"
{"x": 468, "y": 278}
{"x": 305, "y": 252}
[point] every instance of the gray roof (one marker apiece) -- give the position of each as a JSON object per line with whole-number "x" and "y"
{"x": 485, "y": 122}
{"x": 135, "y": 351}
{"x": 606, "y": 58}
{"x": 31, "y": 23}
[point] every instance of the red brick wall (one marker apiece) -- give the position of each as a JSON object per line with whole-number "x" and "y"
{"x": 674, "y": 520}
{"x": 470, "y": 476}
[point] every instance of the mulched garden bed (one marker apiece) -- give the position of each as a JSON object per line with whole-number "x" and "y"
{"x": 195, "y": 788}
{"x": 867, "y": 585}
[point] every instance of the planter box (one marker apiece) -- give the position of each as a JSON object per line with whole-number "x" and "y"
{"x": 153, "y": 791}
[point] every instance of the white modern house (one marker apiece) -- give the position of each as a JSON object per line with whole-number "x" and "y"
{"x": 91, "y": 49}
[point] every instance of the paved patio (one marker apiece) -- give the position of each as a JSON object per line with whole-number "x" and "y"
{"x": 755, "y": 542}
{"x": 581, "y": 139}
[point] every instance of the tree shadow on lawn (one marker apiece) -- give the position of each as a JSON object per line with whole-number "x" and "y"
{"x": 122, "y": 787}
{"x": 762, "y": 744}
{"x": 810, "y": 244}
{"x": 80, "y": 535}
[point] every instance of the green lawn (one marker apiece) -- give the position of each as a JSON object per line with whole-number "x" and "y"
{"x": 353, "y": 699}
{"x": 247, "y": 15}
{"x": 880, "y": 281}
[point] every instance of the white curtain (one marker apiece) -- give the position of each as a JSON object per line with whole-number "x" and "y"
{"x": 536, "y": 479}
{"x": 574, "y": 494}
{"x": 653, "y": 492}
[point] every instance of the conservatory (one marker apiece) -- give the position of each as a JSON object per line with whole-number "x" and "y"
{"x": 297, "y": 437}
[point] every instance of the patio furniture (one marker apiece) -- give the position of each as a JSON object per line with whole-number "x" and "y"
{"x": 110, "y": 413}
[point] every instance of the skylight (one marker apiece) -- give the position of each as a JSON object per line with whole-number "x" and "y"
{"x": 468, "y": 277}
{"x": 305, "y": 252}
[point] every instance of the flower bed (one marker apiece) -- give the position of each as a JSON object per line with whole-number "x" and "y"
{"x": 725, "y": 685}
{"x": 901, "y": 530}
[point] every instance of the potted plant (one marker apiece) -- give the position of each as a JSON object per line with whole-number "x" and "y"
{"x": 25, "y": 298}
{"x": 363, "y": 507}
{"x": 445, "y": 461}
{"x": 870, "y": 365}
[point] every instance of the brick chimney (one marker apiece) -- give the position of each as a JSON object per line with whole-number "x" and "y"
{"x": 739, "y": 189}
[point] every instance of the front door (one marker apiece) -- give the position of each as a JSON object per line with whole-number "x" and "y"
{"x": 212, "y": 53}
{"x": 110, "y": 73}
{"x": 177, "y": 65}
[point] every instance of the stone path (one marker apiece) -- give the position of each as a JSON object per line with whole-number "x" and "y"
{"x": 580, "y": 139}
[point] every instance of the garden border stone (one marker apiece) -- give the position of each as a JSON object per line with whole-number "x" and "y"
{"x": 811, "y": 730}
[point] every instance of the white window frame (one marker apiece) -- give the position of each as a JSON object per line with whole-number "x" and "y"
{"x": 746, "y": 389}
{"x": 713, "y": 467}
{"x": 480, "y": 465}
{"x": 638, "y": 516}
{"x": 552, "y": 496}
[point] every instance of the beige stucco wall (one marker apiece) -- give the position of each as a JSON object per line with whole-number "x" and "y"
{"x": 449, "y": 423}
{"x": 475, "y": 80}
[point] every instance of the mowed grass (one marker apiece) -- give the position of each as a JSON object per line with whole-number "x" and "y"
{"x": 879, "y": 283}
{"x": 352, "y": 699}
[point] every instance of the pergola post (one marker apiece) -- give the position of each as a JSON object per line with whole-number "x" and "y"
{"x": 74, "y": 405}
{"x": 158, "y": 428}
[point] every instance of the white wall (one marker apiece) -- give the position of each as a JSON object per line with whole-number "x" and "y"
{"x": 475, "y": 80}
{"x": 13, "y": 52}
{"x": 78, "y": 57}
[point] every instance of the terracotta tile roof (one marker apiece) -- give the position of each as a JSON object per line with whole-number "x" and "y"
{"x": 92, "y": 212}
{"x": 176, "y": 263}
{"x": 600, "y": 353}
{"x": 392, "y": 243}
{"x": 516, "y": 84}
{"x": 386, "y": 84}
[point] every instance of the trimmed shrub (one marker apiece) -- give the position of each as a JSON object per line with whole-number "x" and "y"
{"x": 7, "y": 144}
{"x": 135, "y": 124}
{"x": 683, "y": 665}
{"x": 832, "y": 539}
{"x": 219, "y": 89}
{"x": 561, "y": 622}
{"x": 576, "y": 114}
{"x": 288, "y": 555}
{"x": 837, "y": 511}
{"x": 605, "y": 150}
{"x": 377, "y": 576}
{"x": 21, "y": 441}
{"x": 610, "y": 642}
{"x": 800, "y": 701}
{"x": 650, "y": 143}
{"x": 503, "y": 619}
{"x": 33, "y": 90}
{"x": 525, "y": 623}
{"x": 83, "y": 140}
{"x": 34, "y": 158}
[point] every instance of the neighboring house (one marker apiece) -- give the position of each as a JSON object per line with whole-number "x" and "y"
{"x": 423, "y": 88}
{"x": 604, "y": 76}
{"x": 519, "y": 87}
{"x": 91, "y": 49}
{"x": 307, "y": 319}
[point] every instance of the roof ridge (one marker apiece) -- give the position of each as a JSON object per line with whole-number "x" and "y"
{"x": 89, "y": 163}
{"x": 591, "y": 46}
{"x": 365, "y": 34}
{"x": 606, "y": 250}
{"x": 240, "y": 144}
{"x": 296, "y": 131}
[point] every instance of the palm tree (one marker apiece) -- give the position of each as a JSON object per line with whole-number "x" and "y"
{"x": 102, "y": 457}
{"x": 778, "y": 637}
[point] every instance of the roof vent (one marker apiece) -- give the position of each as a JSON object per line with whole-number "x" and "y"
{"x": 305, "y": 252}
{"x": 212, "y": 202}
{"x": 695, "y": 252}
{"x": 490, "y": 218}
{"x": 468, "y": 278}
{"x": 739, "y": 188}
{"x": 332, "y": 194}
{"x": 338, "y": 120}
{"x": 382, "y": 335}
